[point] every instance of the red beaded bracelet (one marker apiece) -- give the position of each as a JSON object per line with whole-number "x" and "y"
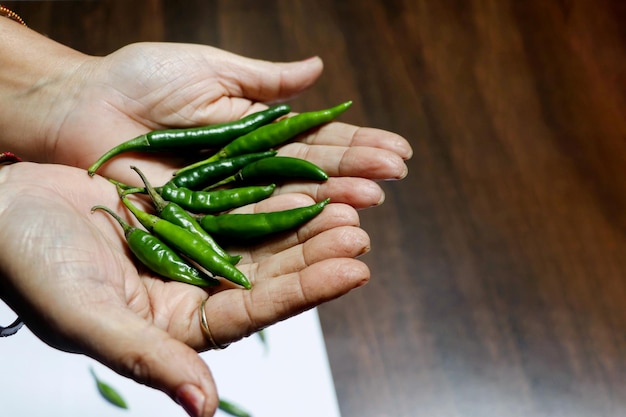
{"x": 9, "y": 158}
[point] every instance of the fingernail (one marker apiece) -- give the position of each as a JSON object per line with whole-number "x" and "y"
{"x": 405, "y": 172}
{"x": 381, "y": 200}
{"x": 311, "y": 58}
{"x": 191, "y": 398}
{"x": 313, "y": 61}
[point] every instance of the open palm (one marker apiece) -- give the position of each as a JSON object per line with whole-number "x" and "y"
{"x": 68, "y": 273}
{"x": 151, "y": 86}
{"x": 79, "y": 290}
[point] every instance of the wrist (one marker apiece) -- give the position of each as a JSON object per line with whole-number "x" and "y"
{"x": 34, "y": 89}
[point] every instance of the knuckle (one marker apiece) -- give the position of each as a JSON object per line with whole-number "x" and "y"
{"x": 138, "y": 366}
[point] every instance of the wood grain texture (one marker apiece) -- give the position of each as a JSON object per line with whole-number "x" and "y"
{"x": 498, "y": 265}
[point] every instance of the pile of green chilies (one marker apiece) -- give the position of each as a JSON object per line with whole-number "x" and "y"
{"x": 182, "y": 236}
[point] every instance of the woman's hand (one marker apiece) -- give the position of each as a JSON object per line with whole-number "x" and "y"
{"x": 68, "y": 273}
{"x": 151, "y": 86}
{"x": 66, "y": 107}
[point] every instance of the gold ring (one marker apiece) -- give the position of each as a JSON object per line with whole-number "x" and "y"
{"x": 204, "y": 324}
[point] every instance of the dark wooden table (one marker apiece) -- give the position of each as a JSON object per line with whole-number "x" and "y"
{"x": 499, "y": 265}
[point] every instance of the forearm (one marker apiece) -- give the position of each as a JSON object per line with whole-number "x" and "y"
{"x": 33, "y": 89}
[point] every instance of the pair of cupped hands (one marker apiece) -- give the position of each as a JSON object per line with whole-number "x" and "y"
{"x": 67, "y": 272}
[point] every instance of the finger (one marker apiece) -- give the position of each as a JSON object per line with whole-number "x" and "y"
{"x": 333, "y": 215}
{"x": 194, "y": 83}
{"x": 235, "y": 314}
{"x": 247, "y": 82}
{"x": 354, "y": 161}
{"x": 343, "y": 134}
{"x": 338, "y": 242}
{"x": 261, "y": 80}
{"x": 358, "y": 192}
{"x": 144, "y": 353}
{"x": 277, "y": 203}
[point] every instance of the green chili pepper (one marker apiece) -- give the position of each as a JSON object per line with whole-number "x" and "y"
{"x": 263, "y": 338}
{"x": 283, "y": 167}
{"x": 108, "y": 392}
{"x": 217, "y": 170}
{"x": 212, "y": 136}
{"x": 217, "y": 200}
{"x": 273, "y": 134}
{"x": 174, "y": 213}
{"x": 189, "y": 245}
{"x": 158, "y": 257}
{"x": 205, "y": 201}
{"x": 256, "y": 225}
{"x": 232, "y": 409}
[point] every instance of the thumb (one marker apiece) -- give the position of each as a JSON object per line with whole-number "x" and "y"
{"x": 152, "y": 357}
{"x": 267, "y": 81}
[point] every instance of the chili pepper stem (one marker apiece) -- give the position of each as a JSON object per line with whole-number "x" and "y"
{"x": 127, "y": 228}
{"x": 211, "y": 159}
{"x": 225, "y": 181}
{"x": 157, "y": 200}
{"x": 146, "y": 219}
{"x": 137, "y": 143}
{"x": 127, "y": 189}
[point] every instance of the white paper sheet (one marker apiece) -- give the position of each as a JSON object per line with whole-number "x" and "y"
{"x": 291, "y": 378}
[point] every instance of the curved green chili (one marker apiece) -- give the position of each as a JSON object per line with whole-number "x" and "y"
{"x": 218, "y": 200}
{"x": 189, "y": 245}
{"x": 157, "y": 256}
{"x": 216, "y": 170}
{"x": 279, "y": 167}
{"x": 174, "y": 213}
{"x": 212, "y": 136}
{"x": 274, "y": 134}
{"x": 256, "y": 225}
{"x": 205, "y": 201}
